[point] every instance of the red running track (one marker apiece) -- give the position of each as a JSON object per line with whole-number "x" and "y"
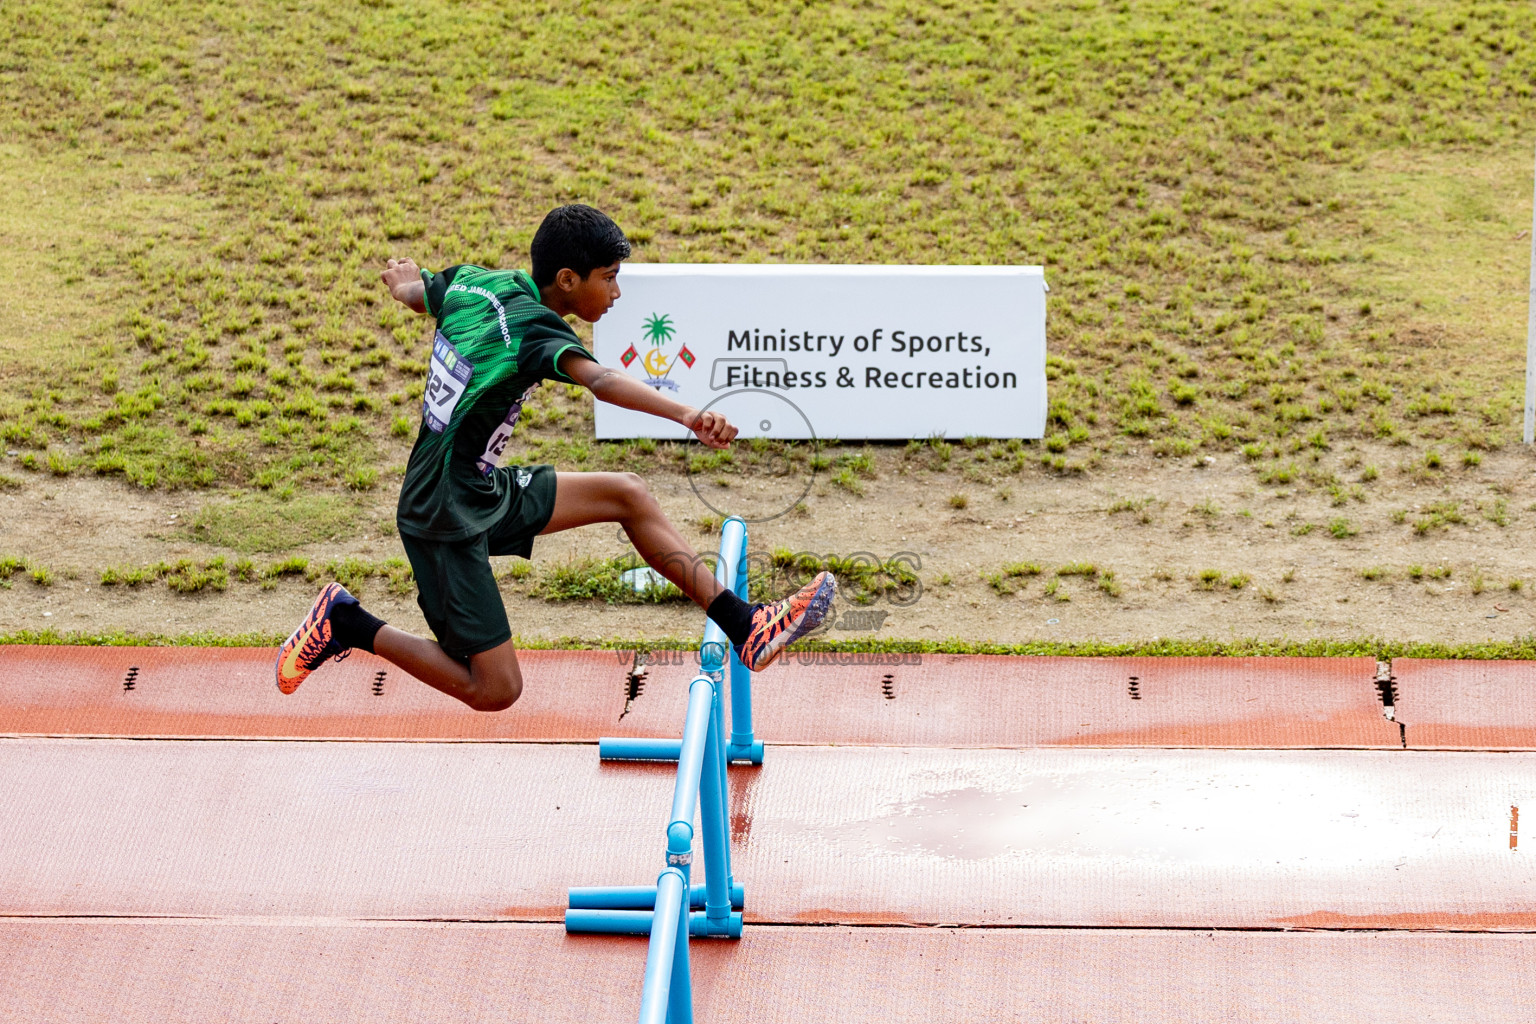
{"x": 888, "y": 835}
{"x": 1101, "y": 871}
{"x": 927, "y": 700}
{"x": 260, "y": 972}
{"x": 1463, "y": 705}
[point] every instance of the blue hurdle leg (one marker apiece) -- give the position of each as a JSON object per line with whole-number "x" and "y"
{"x": 680, "y": 1005}
{"x": 660, "y": 964}
{"x": 742, "y": 747}
{"x": 712, "y": 820}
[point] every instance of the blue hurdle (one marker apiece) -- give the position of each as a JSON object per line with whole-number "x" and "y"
{"x": 743, "y": 746}
{"x": 632, "y": 909}
{"x": 674, "y": 910}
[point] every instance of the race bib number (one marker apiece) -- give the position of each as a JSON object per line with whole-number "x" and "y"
{"x": 447, "y": 378}
{"x": 496, "y": 448}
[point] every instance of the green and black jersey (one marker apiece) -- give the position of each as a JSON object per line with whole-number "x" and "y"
{"x": 495, "y": 343}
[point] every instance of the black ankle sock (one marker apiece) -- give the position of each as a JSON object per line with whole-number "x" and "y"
{"x": 354, "y": 627}
{"x": 731, "y": 614}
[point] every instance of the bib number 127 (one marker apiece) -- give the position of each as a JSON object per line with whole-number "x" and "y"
{"x": 449, "y": 375}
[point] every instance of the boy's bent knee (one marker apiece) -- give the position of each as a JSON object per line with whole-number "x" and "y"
{"x": 496, "y": 698}
{"x": 633, "y": 492}
{"x": 495, "y": 681}
{"x": 495, "y": 693}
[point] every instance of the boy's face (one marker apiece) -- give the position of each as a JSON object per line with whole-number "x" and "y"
{"x": 591, "y": 296}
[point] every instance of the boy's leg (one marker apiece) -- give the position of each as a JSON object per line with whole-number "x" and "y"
{"x": 491, "y": 681}
{"x": 473, "y": 659}
{"x": 582, "y": 499}
{"x": 760, "y": 632}
{"x": 458, "y": 597}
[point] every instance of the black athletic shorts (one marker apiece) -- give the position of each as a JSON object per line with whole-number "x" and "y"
{"x": 456, "y": 588}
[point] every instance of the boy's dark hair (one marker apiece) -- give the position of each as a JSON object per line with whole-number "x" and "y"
{"x": 578, "y": 237}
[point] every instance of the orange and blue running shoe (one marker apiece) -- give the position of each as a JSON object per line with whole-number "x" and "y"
{"x": 312, "y": 644}
{"x": 775, "y": 626}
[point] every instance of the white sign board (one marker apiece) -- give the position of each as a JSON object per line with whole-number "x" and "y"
{"x": 848, "y": 352}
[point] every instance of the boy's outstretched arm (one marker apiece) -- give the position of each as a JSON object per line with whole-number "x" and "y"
{"x": 617, "y": 388}
{"x": 403, "y": 279}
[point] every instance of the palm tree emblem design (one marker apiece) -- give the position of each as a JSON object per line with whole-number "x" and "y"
{"x": 658, "y": 330}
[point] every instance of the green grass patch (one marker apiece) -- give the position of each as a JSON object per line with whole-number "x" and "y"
{"x": 287, "y": 567}
{"x": 257, "y": 523}
{"x": 1209, "y": 579}
{"x": 129, "y": 577}
{"x": 1136, "y": 505}
{"x": 1439, "y": 515}
{"x": 184, "y": 576}
{"x": 596, "y": 579}
{"x": 11, "y": 565}
{"x": 849, "y": 481}
{"x": 1003, "y": 580}
{"x": 187, "y": 576}
{"x": 861, "y": 578}
{"x": 1341, "y": 529}
{"x": 1495, "y": 511}
{"x": 355, "y": 573}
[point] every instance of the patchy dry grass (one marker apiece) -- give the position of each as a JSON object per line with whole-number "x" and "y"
{"x": 187, "y": 576}
{"x": 1234, "y": 203}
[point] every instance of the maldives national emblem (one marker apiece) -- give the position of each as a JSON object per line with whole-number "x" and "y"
{"x": 658, "y": 365}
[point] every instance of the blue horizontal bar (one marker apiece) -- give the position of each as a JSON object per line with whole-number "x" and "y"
{"x": 611, "y": 748}
{"x": 638, "y": 922}
{"x": 636, "y": 897}
{"x": 609, "y": 922}
{"x": 624, "y": 748}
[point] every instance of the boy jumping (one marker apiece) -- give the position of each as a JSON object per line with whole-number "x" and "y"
{"x": 500, "y": 334}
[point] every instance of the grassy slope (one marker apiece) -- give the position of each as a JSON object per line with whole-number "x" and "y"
{"x": 1223, "y": 195}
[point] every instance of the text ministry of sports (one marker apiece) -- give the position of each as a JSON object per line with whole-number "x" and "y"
{"x": 911, "y": 344}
